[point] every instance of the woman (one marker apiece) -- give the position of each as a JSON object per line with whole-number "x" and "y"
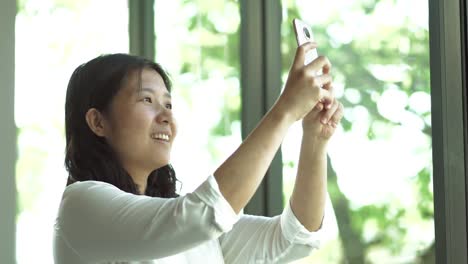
{"x": 120, "y": 203}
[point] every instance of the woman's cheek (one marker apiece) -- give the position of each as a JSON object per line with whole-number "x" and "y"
{"x": 174, "y": 129}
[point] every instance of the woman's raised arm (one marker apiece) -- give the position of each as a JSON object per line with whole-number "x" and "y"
{"x": 240, "y": 175}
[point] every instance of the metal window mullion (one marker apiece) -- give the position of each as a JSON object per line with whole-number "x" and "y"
{"x": 252, "y": 83}
{"x": 448, "y": 132}
{"x": 260, "y": 86}
{"x": 141, "y": 28}
{"x": 8, "y": 139}
{"x": 272, "y": 78}
{"x": 464, "y": 45}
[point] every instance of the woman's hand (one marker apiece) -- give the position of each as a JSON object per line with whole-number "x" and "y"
{"x": 322, "y": 120}
{"x": 303, "y": 88}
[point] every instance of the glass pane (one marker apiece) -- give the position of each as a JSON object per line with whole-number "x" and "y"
{"x": 52, "y": 38}
{"x": 198, "y": 43}
{"x": 381, "y": 198}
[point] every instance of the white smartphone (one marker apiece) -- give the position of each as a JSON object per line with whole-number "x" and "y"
{"x": 304, "y": 34}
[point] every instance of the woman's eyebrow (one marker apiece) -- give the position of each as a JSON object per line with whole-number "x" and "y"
{"x": 147, "y": 89}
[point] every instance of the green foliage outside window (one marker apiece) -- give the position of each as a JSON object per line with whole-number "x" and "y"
{"x": 380, "y": 56}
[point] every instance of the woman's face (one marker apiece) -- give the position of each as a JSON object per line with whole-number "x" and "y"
{"x": 141, "y": 128}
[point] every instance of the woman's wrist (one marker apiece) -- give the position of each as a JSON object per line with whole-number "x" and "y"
{"x": 281, "y": 115}
{"x": 317, "y": 141}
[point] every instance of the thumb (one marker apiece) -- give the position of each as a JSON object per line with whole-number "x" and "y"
{"x": 301, "y": 52}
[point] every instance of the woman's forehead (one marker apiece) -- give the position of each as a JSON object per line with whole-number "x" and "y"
{"x": 144, "y": 78}
{"x": 151, "y": 77}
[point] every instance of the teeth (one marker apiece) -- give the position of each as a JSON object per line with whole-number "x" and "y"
{"x": 160, "y": 136}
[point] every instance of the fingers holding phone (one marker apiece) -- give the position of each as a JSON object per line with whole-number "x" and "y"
{"x": 309, "y": 82}
{"x": 317, "y": 64}
{"x": 303, "y": 89}
{"x": 301, "y": 53}
{"x": 303, "y": 33}
{"x": 317, "y": 72}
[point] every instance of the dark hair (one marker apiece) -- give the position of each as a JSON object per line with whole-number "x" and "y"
{"x": 88, "y": 156}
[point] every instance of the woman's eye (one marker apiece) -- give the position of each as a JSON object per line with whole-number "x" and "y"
{"x": 147, "y": 99}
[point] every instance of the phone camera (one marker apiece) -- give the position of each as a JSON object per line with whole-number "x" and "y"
{"x": 306, "y": 32}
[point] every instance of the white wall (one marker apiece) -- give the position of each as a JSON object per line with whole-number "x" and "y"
{"x": 8, "y": 151}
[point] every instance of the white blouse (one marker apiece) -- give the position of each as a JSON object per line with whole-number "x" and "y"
{"x": 99, "y": 223}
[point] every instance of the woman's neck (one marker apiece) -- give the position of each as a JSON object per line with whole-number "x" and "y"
{"x": 140, "y": 178}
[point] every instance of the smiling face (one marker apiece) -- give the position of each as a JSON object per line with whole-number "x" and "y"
{"x": 139, "y": 125}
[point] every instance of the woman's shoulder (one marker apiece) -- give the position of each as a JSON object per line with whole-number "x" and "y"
{"x": 86, "y": 197}
{"x": 87, "y": 185}
{"x": 89, "y": 190}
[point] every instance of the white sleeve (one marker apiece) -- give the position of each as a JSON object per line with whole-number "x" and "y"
{"x": 259, "y": 239}
{"x": 102, "y": 223}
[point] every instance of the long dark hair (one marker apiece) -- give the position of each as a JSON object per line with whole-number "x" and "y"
{"x": 88, "y": 156}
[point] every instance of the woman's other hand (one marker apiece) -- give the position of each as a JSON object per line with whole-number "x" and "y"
{"x": 303, "y": 88}
{"x": 321, "y": 122}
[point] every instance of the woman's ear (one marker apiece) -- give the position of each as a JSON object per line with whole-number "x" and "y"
{"x": 96, "y": 121}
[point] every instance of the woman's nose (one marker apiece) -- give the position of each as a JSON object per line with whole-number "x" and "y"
{"x": 164, "y": 116}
